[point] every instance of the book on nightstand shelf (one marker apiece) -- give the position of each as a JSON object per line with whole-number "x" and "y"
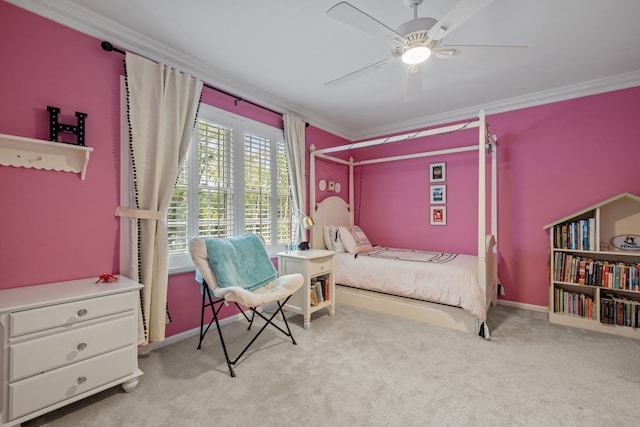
{"x": 319, "y": 291}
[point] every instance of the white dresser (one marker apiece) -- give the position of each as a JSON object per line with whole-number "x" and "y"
{"x": 62, "y": 342}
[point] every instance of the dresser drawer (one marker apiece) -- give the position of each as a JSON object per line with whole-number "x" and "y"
{"x": 54, "y": 351}
{"x": 38, "y": 392}
{"x": 319, "y": 266}
{"x": 37, "y": 319}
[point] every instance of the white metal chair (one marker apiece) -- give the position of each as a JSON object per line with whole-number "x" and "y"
{"x": 246, "y": 257}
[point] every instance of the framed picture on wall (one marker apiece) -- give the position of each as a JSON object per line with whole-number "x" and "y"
{"x": 438, "y": 172}
{"x": 438, "y": 215}
{"x": 438, "y": 194}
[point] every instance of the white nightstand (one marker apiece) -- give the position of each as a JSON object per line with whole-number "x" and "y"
{"x": 318, "y": 290}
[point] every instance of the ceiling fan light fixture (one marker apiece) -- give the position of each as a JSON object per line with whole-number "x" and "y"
{"x": 416, "y": 55}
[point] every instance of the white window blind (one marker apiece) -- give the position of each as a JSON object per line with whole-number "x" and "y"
{"x": 283, "y": 195}
{"x": 215, "y": 183}
{"x": 235, "y": 181}
{"x": 177, "y": 216}
{"x": 257, "y": 185}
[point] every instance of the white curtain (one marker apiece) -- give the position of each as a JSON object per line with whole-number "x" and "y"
{"x": 294, "y": 135}
{"x": 162, "y": 109}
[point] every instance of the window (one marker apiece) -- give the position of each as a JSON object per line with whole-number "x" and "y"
{"x": 235, "y": 180}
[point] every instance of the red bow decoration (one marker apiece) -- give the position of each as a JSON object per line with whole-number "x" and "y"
{"x": 106, "y": 277}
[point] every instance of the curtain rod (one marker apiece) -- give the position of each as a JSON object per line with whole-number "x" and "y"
{"x": 110, "y": 48}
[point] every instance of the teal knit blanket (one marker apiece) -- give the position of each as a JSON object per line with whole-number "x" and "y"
{"x": 240, "y": 261}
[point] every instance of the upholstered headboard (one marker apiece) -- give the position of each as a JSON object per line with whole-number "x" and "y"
{"x": 331, "y": 211}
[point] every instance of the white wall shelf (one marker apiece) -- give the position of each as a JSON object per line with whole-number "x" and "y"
{"x": 38, "y": 154}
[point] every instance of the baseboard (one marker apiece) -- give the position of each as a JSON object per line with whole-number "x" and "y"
{"x": 183, "y": 336}
{"x": 540, "y": 308}
{"x": 194, "y": 332}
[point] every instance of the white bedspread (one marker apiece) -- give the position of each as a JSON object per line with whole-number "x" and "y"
{"x": 453, "y": 282}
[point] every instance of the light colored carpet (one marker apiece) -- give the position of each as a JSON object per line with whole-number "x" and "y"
{"x": 367, "y": 369}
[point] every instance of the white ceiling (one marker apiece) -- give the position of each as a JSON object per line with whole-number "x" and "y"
{"x": 279, "y": 53}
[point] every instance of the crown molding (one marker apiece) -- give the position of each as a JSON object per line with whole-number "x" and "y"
{"x": 592, "y": 87}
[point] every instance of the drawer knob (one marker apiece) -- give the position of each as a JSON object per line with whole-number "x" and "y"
{"x": 82, "y": 312}
{"x": 81, "y": 380}
{"x": 82, "y": 346}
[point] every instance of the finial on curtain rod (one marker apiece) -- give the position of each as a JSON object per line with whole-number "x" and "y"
{"x": 109, "y": 47}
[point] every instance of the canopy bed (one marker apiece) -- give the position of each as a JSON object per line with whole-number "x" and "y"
{"x": 390, "y": 280}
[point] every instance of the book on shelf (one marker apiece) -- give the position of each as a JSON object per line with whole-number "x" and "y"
{"x": 318, "y": 291}
{"x": 588, "y": 271}
{"x": 324, "y": 284}
{"x": 579, "y": 235}
{"x": 313, "y": 295}
{"x": 615, "y": 310}
{"x": 573, "y": 303}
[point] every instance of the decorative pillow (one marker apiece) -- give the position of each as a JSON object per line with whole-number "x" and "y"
{"x": 332, "y": 239}
{"x": 354, "y": 239}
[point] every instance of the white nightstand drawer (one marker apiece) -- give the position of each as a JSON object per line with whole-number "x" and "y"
{"x": 319, "y": 266}
{"x": 54, "y": 351}
{"x": 27, "y": 321}
{"x": 38, "y": 392}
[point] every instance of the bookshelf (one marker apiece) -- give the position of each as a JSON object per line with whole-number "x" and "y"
{"x": 594, "y": 267}
{"x": 318, "y": 290}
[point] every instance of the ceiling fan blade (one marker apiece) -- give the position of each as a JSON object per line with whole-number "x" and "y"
{"x": 413, "y": 89}
{"x": 451, "y": 50}
{"x": 354, "y": 17}
{"x": 488, "y": 46}
{"x": 458, "y": 15}
{"x": 360, "y": 72}
{"x": 447, "y": 52}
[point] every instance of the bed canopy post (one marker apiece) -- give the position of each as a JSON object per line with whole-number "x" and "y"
{"x": 494, "y": 186}
{"x": 312, "y": 180}
{"x": 351, "y": 191}
{"x": 482, "y": 206}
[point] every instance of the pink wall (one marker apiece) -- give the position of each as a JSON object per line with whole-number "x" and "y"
{"x": 557, "y": 159}
{"x": 56, "y": 227}
{"x": 396, "y": 194}
{"x": 324, "y": 169}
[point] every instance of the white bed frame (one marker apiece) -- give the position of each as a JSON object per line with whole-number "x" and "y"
{"x": 335, "y": 211}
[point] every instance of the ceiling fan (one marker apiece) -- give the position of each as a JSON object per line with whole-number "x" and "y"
{"x": 412, "y": 42}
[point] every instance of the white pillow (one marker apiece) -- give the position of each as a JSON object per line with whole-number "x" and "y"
{"x": 327, "y": 237}
{"x": 354, "y": 239}
{"x": 332, "y": 239}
